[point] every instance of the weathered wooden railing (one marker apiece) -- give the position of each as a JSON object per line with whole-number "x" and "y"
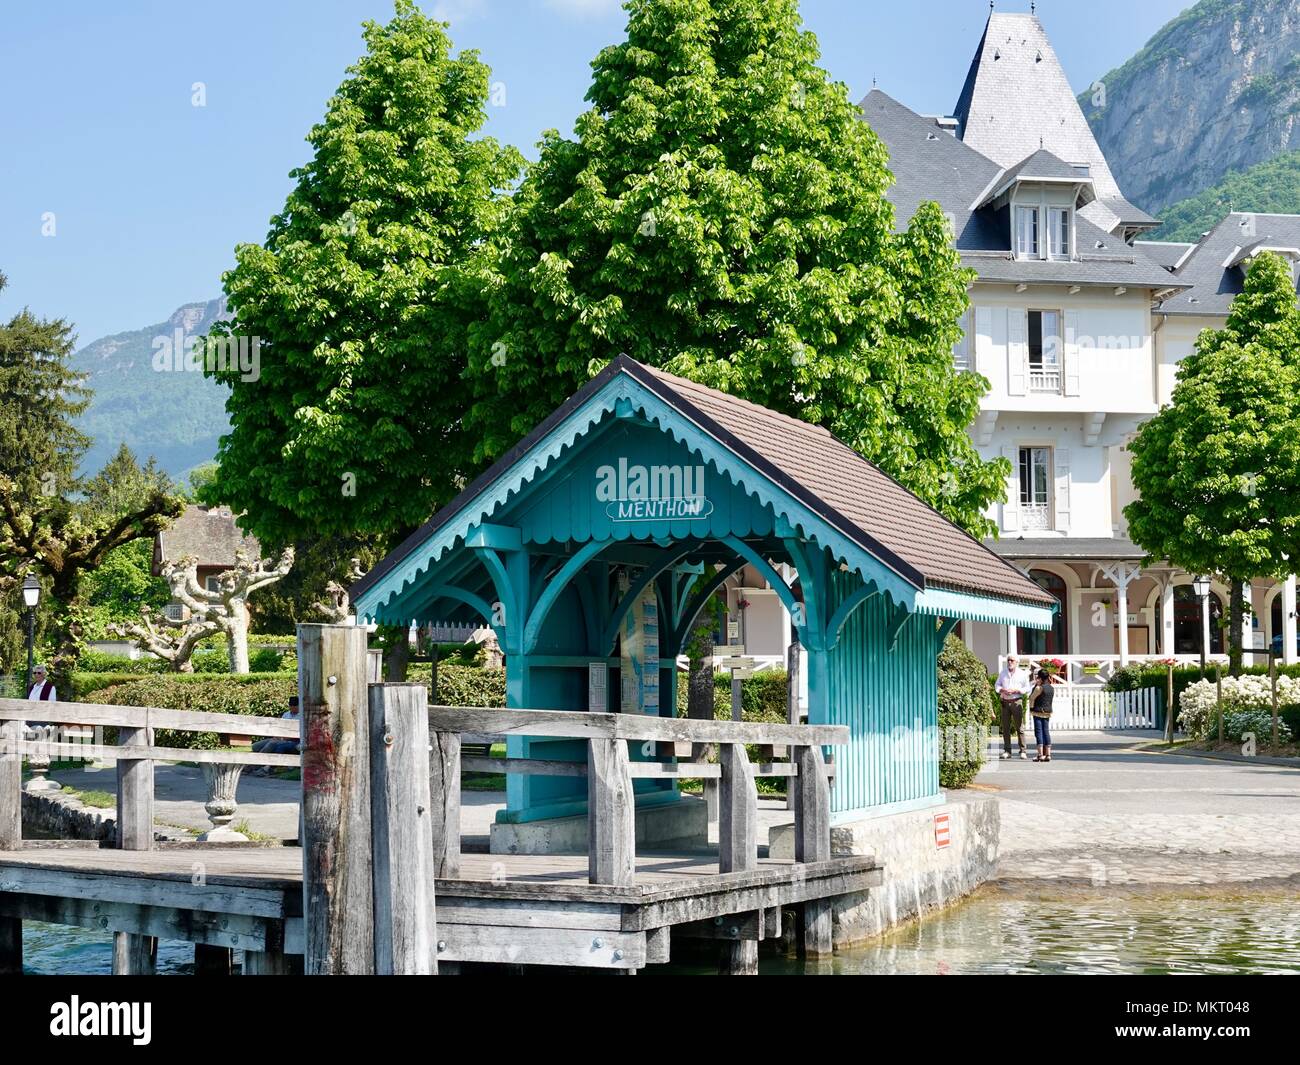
{"x": 136, "y": 755}
{"x": 611, "y": 831}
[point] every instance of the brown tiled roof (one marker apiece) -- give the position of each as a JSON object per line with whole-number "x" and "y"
{"x": 873, "y": 503}
{"x": 208, "y": 534}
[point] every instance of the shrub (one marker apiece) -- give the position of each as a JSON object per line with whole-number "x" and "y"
{"x": 963, "y": 713}
{"x": 1238, "y": 722}
{"x": 102, "y": 662}
{"x": 1244, "y": 694}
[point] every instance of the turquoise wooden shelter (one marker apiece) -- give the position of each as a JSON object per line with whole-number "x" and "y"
{"x": 593, "y": 545}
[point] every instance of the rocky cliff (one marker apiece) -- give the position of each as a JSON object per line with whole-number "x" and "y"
{"x": 1216, "y": 90}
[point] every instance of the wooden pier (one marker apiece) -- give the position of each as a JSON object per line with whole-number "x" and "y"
{"x": 379, "y": 883}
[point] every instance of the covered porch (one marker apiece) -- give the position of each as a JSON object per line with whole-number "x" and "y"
{"x": 593, "y": 547}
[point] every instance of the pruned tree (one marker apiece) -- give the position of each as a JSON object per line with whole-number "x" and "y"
{"x": 222, "y": 609}
{"x": 53, "y": 538}
{"x": 172, "y": 640}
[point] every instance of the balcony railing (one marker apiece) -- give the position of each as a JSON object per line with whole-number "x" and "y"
{"x": 1045, "y": 379}
{"x": 1036, "y": 516}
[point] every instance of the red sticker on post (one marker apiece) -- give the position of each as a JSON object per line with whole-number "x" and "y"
{"x": 941, "y": 834}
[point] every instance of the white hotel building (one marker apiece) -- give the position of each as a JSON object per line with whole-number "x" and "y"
{"x": 1078, "y": 324}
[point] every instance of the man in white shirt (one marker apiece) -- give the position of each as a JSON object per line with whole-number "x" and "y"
{"x": 1012, "y": 687}
{"x": 42, "y": 690}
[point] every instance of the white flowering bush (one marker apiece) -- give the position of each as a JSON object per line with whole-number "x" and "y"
{"x": 1237, "y": 723}
{"x": 1241, "y": 696}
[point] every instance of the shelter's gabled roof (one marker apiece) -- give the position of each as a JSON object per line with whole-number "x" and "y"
{"x": 828, "y": 478}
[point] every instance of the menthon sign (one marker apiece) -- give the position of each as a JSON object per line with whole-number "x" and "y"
{"x": 652, "y": 493}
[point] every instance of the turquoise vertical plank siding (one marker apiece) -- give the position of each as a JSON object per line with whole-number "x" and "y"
{"x": 889, "y": 700}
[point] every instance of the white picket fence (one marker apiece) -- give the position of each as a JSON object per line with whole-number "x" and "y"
{"x": 1076, "y": 707}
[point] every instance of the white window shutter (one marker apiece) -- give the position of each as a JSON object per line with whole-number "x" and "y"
{"x": 983, "y": 339}
{"x": 1061, "y": 460}
{"x": 961, "y": 352}
{"x": 1011, "y": 508}
{"x": 1017, "y": 351}
{"x": 1071, "y": 353}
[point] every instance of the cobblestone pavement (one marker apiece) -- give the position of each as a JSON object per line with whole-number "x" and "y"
{"x": 1104, "y": 813}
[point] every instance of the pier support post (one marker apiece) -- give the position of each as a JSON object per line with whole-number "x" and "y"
{"x": 444, "y": 787}
{"x": 11, "y": 946}
{"x": 401, "y": 811}
{"x": 212, "y": 961}
{"x": 738, "y": 842}
{"x": 611, "y": 830}
{"x": 812, "y": 842}
{"x": 266, "y": 963}
{"x": 338, "y": 898}
{"x": 134, "y": 954}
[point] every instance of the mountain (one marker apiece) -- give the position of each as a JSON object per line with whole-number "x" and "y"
{"x": 1266, "y": 188}
{"x": 1216, "y": 90}
{"x": 175, "y": 415}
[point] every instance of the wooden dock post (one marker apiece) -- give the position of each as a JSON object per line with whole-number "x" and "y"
{"x": 11, "y": 836}
{"x": 444, "y": 787}
{"x": 738, "y": 843}
{"x": 338, "y": 906}
{"x": 401, "y": 811}
{"x": 611, "y": 828}
{"x": 11, "y": 785}
{"x": 134, "y": 954}
{"x": 812, "y": 842}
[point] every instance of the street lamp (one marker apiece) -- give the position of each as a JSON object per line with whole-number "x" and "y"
{"x": 1201, "y": 585}
{"x": 31, "y": 596}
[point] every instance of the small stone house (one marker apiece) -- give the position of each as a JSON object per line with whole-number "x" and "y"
{"x": 209, "y": 534}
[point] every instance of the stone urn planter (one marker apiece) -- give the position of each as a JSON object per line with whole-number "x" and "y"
{"x": 38, "y": 760}
{"x": 222, "y": 781}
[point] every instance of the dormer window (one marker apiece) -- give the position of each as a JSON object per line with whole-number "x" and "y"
{"x": 1027, "y": 233}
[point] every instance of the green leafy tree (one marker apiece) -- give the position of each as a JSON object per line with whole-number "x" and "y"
{"x": 44, "y": 528}
{"x": 359, "y": 299}
{"x": 721, "y": 213}
{"x": 1219, "y": 469}
{"x": 124, "y": 582}
{"x": 40, "y": 446}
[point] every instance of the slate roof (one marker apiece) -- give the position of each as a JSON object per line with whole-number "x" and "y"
{"x": 1042, "y": 165}
{"x": 1216, "y": 270}
{"x": 931, "y": 164}
{"x": 1167, "y": 253}
{"x": 846, "y": 490}
{"x": 1016, "y": 99}
{"x": 208, "y": 534}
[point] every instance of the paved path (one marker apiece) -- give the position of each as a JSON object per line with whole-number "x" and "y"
{"x": 1106, "y": 813}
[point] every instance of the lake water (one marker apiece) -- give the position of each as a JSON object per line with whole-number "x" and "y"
{"x": 990, "y": 933}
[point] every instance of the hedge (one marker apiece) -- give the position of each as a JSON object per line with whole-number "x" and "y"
{"x": 258, "y": 694}
{"x": 252, "y": 694}
{"x": 210, "y": 660}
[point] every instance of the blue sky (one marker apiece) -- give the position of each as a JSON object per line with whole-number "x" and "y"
{"x": 149, "y": 194}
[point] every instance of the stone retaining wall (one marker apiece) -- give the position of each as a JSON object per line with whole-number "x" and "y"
{"x": 919, "y": 875}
